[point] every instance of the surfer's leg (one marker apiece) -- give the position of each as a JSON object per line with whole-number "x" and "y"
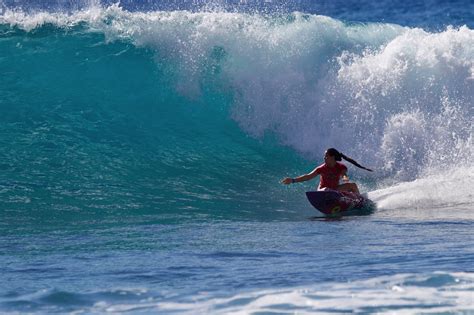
{"x": 352, "y": 187}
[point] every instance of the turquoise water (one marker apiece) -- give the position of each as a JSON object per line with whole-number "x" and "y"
{"x": 141, "y": 154}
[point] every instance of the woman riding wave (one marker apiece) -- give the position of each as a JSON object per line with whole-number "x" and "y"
{"x": 331, "y": 171}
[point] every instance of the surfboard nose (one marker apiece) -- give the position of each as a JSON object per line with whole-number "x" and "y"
{"x": 321, "y": 200}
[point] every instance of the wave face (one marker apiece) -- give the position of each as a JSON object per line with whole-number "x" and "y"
{"x": 106, "y": 109}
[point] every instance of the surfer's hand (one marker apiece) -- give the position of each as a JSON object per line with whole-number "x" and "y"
{"x": 286, "y": 180}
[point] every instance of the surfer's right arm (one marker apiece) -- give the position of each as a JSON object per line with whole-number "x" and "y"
{"x": 302, "y": 178}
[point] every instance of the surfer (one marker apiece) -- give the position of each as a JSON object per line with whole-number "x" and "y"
{"x": 331, "y": 172}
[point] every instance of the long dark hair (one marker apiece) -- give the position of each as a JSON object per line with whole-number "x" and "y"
{"x": 339, "y": 156}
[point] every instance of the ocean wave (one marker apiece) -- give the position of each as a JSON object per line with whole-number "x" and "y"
{"x": 397, "y": 98}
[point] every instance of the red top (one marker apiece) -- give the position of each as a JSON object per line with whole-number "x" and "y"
{"x": 330, "y": 175}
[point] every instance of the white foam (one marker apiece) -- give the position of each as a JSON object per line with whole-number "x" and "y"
{"x": 448, "y": 189}
{"x": 400, "y": 294}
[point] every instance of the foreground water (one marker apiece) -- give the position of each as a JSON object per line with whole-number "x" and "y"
{"x": 142, "y": 147}
{"x": 392, "y": 260}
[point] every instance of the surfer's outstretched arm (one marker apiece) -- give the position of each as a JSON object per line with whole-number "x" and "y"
{"x": 302, "y": 178}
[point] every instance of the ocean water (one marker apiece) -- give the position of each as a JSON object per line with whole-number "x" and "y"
{"x": 142, "y": 145}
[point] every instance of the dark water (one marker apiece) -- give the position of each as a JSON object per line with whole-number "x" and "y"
{"x": 142, "y": 147}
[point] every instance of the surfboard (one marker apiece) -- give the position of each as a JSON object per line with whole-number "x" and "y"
{"x": 335, "y": 202}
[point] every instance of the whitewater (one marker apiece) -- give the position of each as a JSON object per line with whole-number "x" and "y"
{"x": 142, "y": 152}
